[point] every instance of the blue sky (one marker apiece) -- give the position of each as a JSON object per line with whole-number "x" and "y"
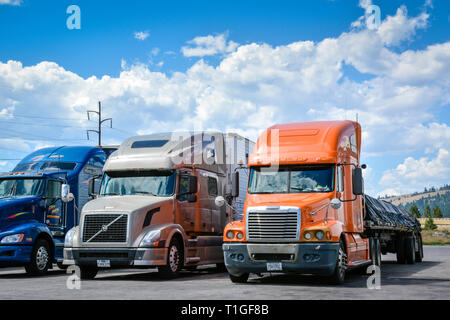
{"x": 406, "y": 117}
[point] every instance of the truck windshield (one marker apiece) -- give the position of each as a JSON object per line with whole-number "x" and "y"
{"x": 292, "y": 179}
{"x": 21, "y": 187}
{"x": 155, "y": 182}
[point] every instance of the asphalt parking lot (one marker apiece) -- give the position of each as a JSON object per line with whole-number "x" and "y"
{"x": 427, "y": 280}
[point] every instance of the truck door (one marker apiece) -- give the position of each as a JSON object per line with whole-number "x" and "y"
{"x": 185, "y": 209}
{"x": 213, "y": 192}
{"x": 54, "y": 206}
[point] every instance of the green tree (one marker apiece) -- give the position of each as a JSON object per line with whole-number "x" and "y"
{"x": 437, "y": 213}
{"x": 429, "y": 224}
{"x": 427, "y": 212}
{"x": 414, "y": 211}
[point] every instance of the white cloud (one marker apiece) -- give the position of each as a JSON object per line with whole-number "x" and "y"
{"x": 412, "y": 172}
{"x": 141, "y": 35}
{"x": 209, "y": 46}
{"x": 11, "y": 2}
{"x": 398, "y": 28}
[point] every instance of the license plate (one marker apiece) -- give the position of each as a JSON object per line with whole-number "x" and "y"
{"x": 274, "y": 266}
{"x": 103, "y": 263}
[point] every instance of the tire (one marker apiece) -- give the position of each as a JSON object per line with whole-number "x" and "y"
{"x": 401, "y": 258}
{"x": 419, "y": 252}
{"x": 338, "y": 276}
{"x": 174, "y": 261}
{"x": 410, "y": 252}
{"x": 40, "y": 260}
{"x": 88, "y": 272}
{"x": 239, "y": 279}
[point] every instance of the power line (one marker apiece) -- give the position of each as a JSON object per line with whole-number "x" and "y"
{"x": 41, "y": 117}
{"x": 41, "y": 124}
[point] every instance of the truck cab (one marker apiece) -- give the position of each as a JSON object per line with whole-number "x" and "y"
{"x": 303, "y": 211}
{"x": 39, "y": 200}
{"x": 156, "y": 205}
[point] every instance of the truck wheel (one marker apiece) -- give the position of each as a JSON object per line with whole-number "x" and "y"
{"x": 338, "y": 276}
{"x": 174, "y": 261}
{"x": 419, "y": 252}
{"x": 40, "y": 259}
{"x": 410, "y": 251}
{"x": 239, "y": 279}
{"x": 401, "y": 249}
{"x": 88, "y": 272}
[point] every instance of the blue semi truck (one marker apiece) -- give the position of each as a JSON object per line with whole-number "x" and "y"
{"x": 39, "y": 203}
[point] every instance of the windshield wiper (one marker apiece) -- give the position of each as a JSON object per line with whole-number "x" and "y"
{"x": 298, "y": 188}
{"x": 111, "y": 194}
{"x": 145, "y": 192}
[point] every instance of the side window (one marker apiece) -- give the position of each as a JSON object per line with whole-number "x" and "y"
{"x": 212, "y": 186}
{"x": 53, "y": 190}
{"x": 353, "y": 144}
{"x": 183, "y": 188}
{"x": 340, "y": 179}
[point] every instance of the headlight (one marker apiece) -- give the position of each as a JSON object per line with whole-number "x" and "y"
{"x": 230, "y": 235}
{"x": 68, "y": 240}
{"x": 319, "y": 235}
{"x": 239, "y": 235}
{"x": 151, "y": 239}
{"x": 14, "y": 238}
{"x": 307, "y": 236}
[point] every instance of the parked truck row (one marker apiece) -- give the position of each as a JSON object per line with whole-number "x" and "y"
{"x": 294, "y": 202}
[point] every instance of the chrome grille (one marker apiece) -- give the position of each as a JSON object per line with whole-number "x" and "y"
{"x": 94, "y": 228}
{"x": 273, "y": 225}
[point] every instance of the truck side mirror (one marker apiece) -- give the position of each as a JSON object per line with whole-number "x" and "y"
{"x": 92, "y": 192}
{"x": 192, "y": 184}
{"x": 357, "y": 182}
{"x": 220, "y": 201}
{"x": 66, "y": 196}
{"x": 235, "y": 184}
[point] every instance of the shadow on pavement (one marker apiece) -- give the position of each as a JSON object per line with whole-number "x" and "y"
{"x": 153, "y": 275}
{"x": 19, "y": 273}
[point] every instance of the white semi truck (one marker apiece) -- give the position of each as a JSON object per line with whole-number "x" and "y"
{"x": 156, "y": 206}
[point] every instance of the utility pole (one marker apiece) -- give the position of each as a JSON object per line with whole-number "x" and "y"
{"x": 100, "y": 122}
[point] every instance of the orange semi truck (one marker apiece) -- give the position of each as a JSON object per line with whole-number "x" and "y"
{"x": 305, "y": 209}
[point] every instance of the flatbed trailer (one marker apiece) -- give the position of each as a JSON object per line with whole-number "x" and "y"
{"x": 398, "y": 231}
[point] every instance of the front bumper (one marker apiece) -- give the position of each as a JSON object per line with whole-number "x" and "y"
{"x": 306, "y": 258}
{"x": 15, "y": 255}
{"x": 118, "y": 257}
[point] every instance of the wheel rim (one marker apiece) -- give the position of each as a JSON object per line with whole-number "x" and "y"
{"x": 42, "y": 258}
{"x": 174, "y": 258}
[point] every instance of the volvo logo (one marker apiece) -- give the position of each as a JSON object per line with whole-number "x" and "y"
{"x": 104, "y": 228}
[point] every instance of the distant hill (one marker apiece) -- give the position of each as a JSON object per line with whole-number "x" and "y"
{"x": 433, "y": 197}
